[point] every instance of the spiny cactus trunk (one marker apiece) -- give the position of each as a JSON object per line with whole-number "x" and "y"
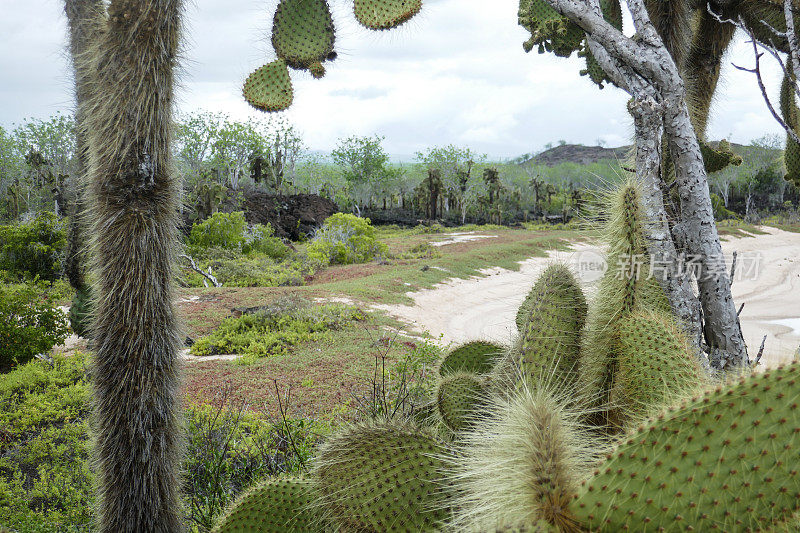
{"x": 81, "y": 17}
{"x": 133, "y": 200}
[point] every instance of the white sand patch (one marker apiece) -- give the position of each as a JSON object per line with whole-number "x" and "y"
{"x": 484, "y": 307}
{"x": 461, "y": 236}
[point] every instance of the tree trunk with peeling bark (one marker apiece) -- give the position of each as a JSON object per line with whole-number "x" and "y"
{"x": 644, "y": 68}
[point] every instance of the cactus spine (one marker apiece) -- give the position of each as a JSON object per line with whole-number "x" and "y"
{"x": 385, "y": 14}
{"x": 459, "y": 396}
{"x": 133, "y": 200}
{"x": 522, "y": 464}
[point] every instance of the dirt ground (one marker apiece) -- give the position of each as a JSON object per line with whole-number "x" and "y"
{"x": 767, "y": 281}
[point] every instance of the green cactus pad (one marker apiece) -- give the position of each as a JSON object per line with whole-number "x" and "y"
{"x": 551, "y": 332}
{"x": 385, "y": 14}
{"x": 382, "y": 477}
{"x": 269, "y": 88}
{"x": 549, "y": 30}
{"x": 726, "y": 461}
{"x": 715, "y": 159}
{"x": 303, "y": 33}
{"x": 276, "y": 506}
{"x": 656, "y": 365}
{"x": 475, "y": 356}
{"x": 458, "y": 397}
{"x": 626, "y": 287}
{"x": 80, "y": 312}
{"x": 791, "y": 116}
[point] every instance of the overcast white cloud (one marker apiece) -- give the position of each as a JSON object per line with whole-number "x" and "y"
{"x": 455, "y": 74}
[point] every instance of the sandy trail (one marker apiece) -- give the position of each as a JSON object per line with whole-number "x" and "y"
{"x": 767, "y": 282}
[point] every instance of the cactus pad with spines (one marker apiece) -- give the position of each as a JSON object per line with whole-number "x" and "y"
{"x": 458, "y": 397}
{"x": 276, "y": 506}
{"x": 550, "y": 31}
{"x": 716, "y": 159}
{"x": 269, "y": 88}
{"x": 791, "y": 116}
{"x": 551, "y": 332}
{"x": 385, "y": 14}
{"x": 382, "y": 477}
{"x": 725, "y": 461}
{"x": 656, "y": 365}
{"x": 303, "y": 33}
{"x": 474, "y": 356}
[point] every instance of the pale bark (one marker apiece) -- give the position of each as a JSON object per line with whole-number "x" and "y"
{"x": 643, "y": 67}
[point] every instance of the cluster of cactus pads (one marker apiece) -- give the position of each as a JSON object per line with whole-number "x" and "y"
{"x": 599, "y": 417}
{"x": 303, "y": 37}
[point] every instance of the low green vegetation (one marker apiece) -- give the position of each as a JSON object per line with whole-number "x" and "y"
{"x": 46, "y": 481}
{"x": 276, "y": 328}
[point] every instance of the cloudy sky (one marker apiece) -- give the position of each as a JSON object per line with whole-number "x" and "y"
{"x": 454, "y": 74}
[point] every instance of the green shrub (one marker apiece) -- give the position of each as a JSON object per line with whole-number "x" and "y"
{"x": 29, "y": 324}
{"x": 345, "y": 239}
{"x": 229, "y": 231}
{"x": 275, "y": 329}
{"x": 423, "y": 250}
{"x": 225, "y": 230}
{"x": 262, "y": 239}
{"x": 35, "y": 248}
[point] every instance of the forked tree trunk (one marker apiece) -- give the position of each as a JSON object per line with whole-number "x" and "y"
{"x": 133, "y": 201}
{"x": 644, "y": 67}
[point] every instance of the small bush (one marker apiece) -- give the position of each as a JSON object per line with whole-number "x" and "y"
{"x": 262, "y": 239}
{"x": 229, "y": 231}
{"x": 225, "y": 230}
{"x": 275, "y": 329}
{"x": 34, "y": 249}
{"x": 423, "y": 250}
{"x": 345, "y": 239}
{"x": 29, "y": 324}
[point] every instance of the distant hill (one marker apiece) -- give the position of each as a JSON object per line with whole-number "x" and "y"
{"x": 577, "y": 153}
{"x": 586, "y": 155}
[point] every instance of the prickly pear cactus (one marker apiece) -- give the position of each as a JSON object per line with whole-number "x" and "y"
{"x": 715, "y": 159}
{"x": 724, "y": 461}
{"x": 475, "y": 356}
{"x": 382, "y": 477}
{"x": 303, "y": 33}
{"x": 791, "y": 116}
{"x": 522, "y": 464}
{"x": 385, "y": 14}
{"x": 269, "y": 88}
{"x": 551, "y": 329}
{"x": 459, "y": 397}
{"x": 276, "y": 506}
{"x": 656, "y": 366}
{"x": 550, "y": 31}
{"x": 625, "y": 288}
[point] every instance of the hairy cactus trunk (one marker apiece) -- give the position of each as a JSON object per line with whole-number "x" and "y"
{"x": 82, "y": 16}
{"x": 133, "y": 201}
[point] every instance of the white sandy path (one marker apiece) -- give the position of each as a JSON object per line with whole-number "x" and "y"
{"x": 460, "y": 310}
